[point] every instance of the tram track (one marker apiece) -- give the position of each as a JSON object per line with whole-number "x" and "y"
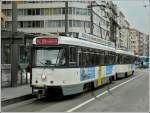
{"x": 45, "y": 104}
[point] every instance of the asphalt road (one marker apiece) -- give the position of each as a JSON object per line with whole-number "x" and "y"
{"x": 126, "y": 95}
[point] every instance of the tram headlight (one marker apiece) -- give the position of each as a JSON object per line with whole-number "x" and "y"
{"x": 43, "y": 77}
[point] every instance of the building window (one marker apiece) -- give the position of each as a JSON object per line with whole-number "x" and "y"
{"x": 74, "y": 10}
{"x": 29, "y": 12}
{"x": 46, "y": 11}
{"x": 70, "y": 23}
{"x": 77, "y": 11}
{"x": 20, "y": 12}
{"x": 6, "y": 2}
{"x": 50, "y": 11}
{"x": 20, "y": 24}
{"x": 31, "y": 24}
{"x": 63, "y": 11}
{"x": 37, "y": 11}
{"x": 32, "y": 11}
{"x": 8, "y": 24}
{"x": 57, "y": 11}
{"x": 70, "y": 10}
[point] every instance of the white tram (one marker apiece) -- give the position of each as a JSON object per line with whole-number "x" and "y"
{"x": 125, "y": 64}
{"x": 64, "y": 65}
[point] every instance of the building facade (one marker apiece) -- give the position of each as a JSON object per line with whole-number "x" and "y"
{"x": 123, "y": 33}
{"x": 134, "y": 40}
{"x": 143, "y": 44}
{"x": 100, "y": 18}
{"x": 49, "y": 16}
{"x": 139, "y": 42}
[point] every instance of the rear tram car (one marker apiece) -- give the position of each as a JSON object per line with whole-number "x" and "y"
{"x": 125, "y": 64}
{"x": 65, "y": 66}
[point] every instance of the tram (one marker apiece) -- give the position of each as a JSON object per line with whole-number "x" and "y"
{"x": 143, "y": 62}
{"x": 125, "y": 64}
{"x": 65, "y": 66}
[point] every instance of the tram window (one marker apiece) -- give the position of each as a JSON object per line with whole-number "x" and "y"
{"x": 108, "y": 58}
{"x": 126, "y": 59}
{"x": 120, "y": 59}
{"x": 97, "y": 58}
{"x": 92, "y": 59}
{"x": 114, "y": 58}
{"x": 129, "y": 59}
{"x": 101, "y": 57}
{"x": 72, "y": 56}
{"x": 88, "y": 61}
{"x": 80, "y": 59}
{"x": 83, "y": 59}
{"x": 61, "y": 59}
{"x": 47, "y": 56}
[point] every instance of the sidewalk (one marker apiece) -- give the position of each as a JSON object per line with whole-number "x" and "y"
{"x": 15, "y": 94}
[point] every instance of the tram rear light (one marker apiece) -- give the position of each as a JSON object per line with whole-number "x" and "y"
{"x": 47, "y": 41}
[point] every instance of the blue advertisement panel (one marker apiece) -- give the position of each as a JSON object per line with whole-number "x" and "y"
{"x": 109, "y": 69}
{"x": 132, "y": 66}
{"x": 87, "y": 73}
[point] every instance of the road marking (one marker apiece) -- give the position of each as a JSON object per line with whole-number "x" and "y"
{"x": 86, "y": 102}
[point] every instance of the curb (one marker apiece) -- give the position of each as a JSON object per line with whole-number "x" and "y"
{"x": 15, "y": 100}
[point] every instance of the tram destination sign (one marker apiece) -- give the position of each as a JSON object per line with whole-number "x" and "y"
{"x": 95, "y": 39}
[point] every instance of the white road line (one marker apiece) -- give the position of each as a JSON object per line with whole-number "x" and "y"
{"x": 86, "y": 102}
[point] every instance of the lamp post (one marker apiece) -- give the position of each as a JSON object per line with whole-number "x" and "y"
{"x": 14, "y": 47}
{"x": 14, "y": 20}
{"x": 66, "y": 18}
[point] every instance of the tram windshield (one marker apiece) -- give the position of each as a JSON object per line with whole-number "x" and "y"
{"x": 47, "y": 56}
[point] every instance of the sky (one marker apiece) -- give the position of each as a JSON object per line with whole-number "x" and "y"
{"x": 135, "y": 12}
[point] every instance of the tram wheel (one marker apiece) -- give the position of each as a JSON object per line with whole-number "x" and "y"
{"x": 110, "y": 79}
{"x": 126, "y": 75}
{"x": 132, "y": 72}
{"x": 116, "y": 76}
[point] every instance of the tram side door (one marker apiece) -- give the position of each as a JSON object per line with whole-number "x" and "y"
{"x": 100, "y": 76}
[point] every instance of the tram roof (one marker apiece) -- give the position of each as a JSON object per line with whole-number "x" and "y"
{"x": 124, "y": 52}
{"x": 78, "y": 42}
{"x": 143, "y": 56}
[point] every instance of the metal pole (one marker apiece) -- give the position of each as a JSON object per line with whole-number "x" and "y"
{"x": 14, "y": 20}
{"x": 100, "y": 30}
{"x": 14, "y": 64}
{"x": 66, "y": 18}
{"x": 14, "y": 48}
{"x": 91, "y": 11}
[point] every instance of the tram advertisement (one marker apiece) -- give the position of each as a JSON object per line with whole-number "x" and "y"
{"x": 109, "y": 69}
{"x": 87, "y": 73}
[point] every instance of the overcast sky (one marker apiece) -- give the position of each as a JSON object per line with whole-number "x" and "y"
{"x": 135, "y": 12}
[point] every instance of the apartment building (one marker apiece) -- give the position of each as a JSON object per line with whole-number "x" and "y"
{"x": 123, "y": 33}
{"x": 139, "y": 42}
{"x": 134, "y": 41}
{"x": 143, "y": 44}
{"x": 49, "y": 16}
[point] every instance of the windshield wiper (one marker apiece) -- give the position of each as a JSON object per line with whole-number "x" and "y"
{"x": 47, "y": 63}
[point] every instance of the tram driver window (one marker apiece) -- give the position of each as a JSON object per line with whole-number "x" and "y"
{"x": 61, "y": 59}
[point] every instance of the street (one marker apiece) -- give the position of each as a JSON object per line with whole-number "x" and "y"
{"x": 126, "y": 95}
